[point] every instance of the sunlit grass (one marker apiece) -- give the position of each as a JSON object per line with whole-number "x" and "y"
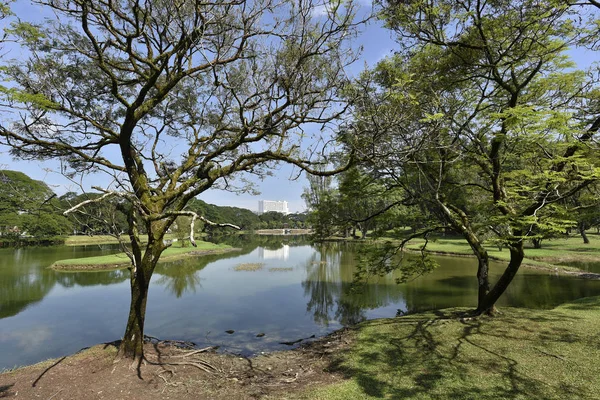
{"x": 121, "y": 259}
{"x": 521, "y": 354}
{"x": 82, "y": 240}
{"x": 552, "y": 253}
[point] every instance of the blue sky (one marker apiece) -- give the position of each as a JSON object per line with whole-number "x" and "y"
{"x": 377, "y": 43}
{"x": 285, "y": 184}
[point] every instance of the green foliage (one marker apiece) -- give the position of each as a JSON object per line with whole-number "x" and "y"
{"x": 360, "y": 202}
{"x": 181, "y": 228}
{"x": 29, "y": 207}
{"x": 482, "y": 119}
{"x": 97, "y": 217}
{"x": 380, "y": 259}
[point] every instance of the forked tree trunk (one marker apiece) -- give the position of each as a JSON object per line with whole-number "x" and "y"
{"x": 488, "y": 303}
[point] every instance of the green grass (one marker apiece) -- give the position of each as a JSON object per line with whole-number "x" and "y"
{"x": 553, "y": 252}
{"x": 81, "y": 240}
{"x": 521, "y": 354}
{"x": 121, "y": 259}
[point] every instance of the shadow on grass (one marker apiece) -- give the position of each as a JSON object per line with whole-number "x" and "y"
{"x": 441, "y": 354}
{"x": 585, "y": 304}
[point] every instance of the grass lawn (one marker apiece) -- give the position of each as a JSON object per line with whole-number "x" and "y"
{"x": 81, "y": 240}
{"x": 121, "y": 259}
{"x": 521, "y": 354}
{"x": 553, "y": 252}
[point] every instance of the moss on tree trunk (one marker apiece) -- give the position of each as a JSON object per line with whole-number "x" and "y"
{"x": 132, "y": 345}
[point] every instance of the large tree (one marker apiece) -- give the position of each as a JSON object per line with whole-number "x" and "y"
{"x": 481, "y": 117}
{"x": 173, "y": 98}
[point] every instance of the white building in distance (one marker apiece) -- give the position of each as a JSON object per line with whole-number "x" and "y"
{"x": 270, "y": 205}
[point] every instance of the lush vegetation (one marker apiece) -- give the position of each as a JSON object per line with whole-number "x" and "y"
{"x": 480, "y": 125}
{"x": 29, "y": 208}
{"x": 31, "y": 212}
{"x": 521, "y": 354}
{"x": 168, "y": 100}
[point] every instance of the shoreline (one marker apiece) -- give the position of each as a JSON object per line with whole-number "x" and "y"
{"x": 110, "y": 266}
{"x": 556, "y": 268}
{"x": 538, "y": 263}
{"x": 441, "y": 355}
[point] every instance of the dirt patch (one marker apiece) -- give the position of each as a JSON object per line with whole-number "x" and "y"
{"x": 170, "y": 372}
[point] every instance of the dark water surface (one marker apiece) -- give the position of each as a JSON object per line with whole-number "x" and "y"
{"x": 45, "y": 313}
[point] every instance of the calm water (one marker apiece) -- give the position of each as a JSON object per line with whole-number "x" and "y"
{"x": 46, "y": 314}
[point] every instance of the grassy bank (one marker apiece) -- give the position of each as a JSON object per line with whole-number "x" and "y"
{"x": 521, "y": 354}
{"x": 120, "y": 260}
{"x": 554, "y": 253}
{"x": 82, "y": 240}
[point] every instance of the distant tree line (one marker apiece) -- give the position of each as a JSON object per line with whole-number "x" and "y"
{"x": 30, "y": 211}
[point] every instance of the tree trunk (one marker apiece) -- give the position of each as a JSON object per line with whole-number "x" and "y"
{"x": 585, "y": 238}
{"x": 537, "y": 243}
{"x": 483, "y": 282}
{"x": 583, "y": 234}
{"x": 488, "y": 303}
{"x": 132, "y": 345}
{"x": 483, "y": 263}
{"x": 462, "y": 225}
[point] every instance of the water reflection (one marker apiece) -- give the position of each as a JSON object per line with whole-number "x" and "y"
{"x": 332, "y": 297}
{"x": 25, "y": 279}
{"x": 89, "y": 278}
{"x": 283, "y": 253}
{"x": 267, "y": 242}
{"x": 301, "y": 290}
{"x": 180, "y": 277}
{"x": 183, "y": 276}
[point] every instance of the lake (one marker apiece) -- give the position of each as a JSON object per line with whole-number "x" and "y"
{"x": 301, "y": 290}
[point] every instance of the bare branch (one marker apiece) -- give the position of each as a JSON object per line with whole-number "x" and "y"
{"x": 193, "y": 221}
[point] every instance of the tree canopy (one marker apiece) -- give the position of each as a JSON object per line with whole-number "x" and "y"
{"x": 173, "y": 98}
{"x": 29, "y": 207}
{"x": 482, "y": 119}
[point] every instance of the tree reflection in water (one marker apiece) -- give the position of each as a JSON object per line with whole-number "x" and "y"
{"x": 328, "y": 286}
{"x": 181, "y": 276}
